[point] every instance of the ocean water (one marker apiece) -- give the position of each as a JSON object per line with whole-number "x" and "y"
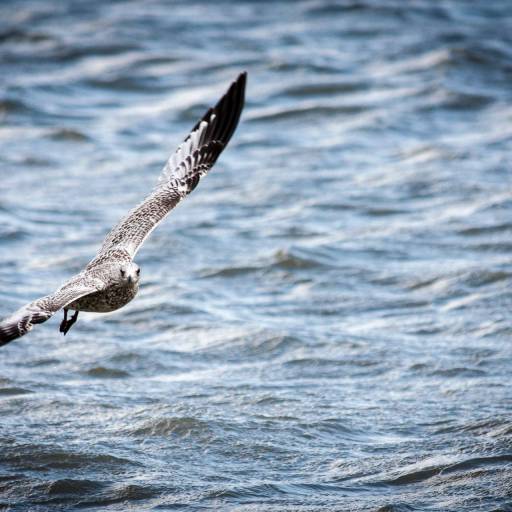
{"x": 325, "y": 323}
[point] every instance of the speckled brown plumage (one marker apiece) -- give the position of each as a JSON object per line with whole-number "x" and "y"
{"x": 111, "y": 279}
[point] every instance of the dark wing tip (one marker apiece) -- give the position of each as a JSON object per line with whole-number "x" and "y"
{"x": 9, "y": 331}
{"x": 229, "y": 109}
{"x": 227, "y": 112}
{"x": 17, "y": 326}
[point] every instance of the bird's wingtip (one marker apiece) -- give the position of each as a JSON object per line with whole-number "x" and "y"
{"x": 241, "y": 79}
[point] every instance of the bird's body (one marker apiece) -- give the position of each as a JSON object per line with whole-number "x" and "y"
{"x": 105, "y": 301}
{"x": 116, "y": 294}
{"x": 111, "y": 279}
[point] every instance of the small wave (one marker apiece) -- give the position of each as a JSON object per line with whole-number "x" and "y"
{"x": 329, "y": 427}
{"x": 483, "y": 427}
{"x": 24, "y": 36}
{"x": 14, "y": 391}
{"x": 486, "y": 230}
{"x": 271, "y": 345}
{"x": 36, "y": 161}
{"x": 281, "y": 113}
{"x": 253, "y": 345}
{"x": 458, "y": 372}
{"x": 294, "y": 258}
{"x": 399, "y": 507}
{"x": 483, "y": 56}
{"x": 131, "y": 492}
{"x": 477, "y": 462}
{"x": 101, "y": 372}
{"x": 78, "y": 492}
{"x": 318, "y": 368}
{"x": 264, "y": 490}
{"x": 180, "y": 427}
{"x": 127, "y": 83}
{"x": 65, "y": 53}
{"x": 320, "y": 89}
{"x": 486, "y": 277}
{"x": 41, "y": 362}
{"x": 494, "y": 247}
{"x": 423, "y": 153}
{"x": 41, "y": 458}
{"x": 383, "y": 211}
{"x": 103, "y": 495}
{"x": 34, "y": 111}
{"x": 451, "y": 100}
{"x": 457, "y": 100}
{"x": 68, "y": 135}
{"x": 441, "y": 470}
{"x": 12, "y": 233}
{"x": 413, "y": 477}
{"x": 230, "y": 271}
{"x": 460, "y": 283}
{"x": 127, "y": 357}
{"x": 434, "y": 59}
{"x": 320, "y": 362}
{"x": 72, "y": 486}
{"x": 11, "y": 106}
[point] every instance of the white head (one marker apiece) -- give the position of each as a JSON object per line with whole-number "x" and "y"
{"x": 129, "y": 273}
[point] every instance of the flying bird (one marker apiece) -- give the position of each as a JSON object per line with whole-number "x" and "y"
{"x": 111, "y": 279}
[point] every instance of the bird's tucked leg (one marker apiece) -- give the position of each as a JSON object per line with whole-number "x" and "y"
{"x": 64, "y": 321}
{"x": 66, "y": 324}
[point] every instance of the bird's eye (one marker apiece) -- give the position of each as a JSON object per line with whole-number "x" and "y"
{"x": 138, "y": 271}
{"x": 123, "y": 273}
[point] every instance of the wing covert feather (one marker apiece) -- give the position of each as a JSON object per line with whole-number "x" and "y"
{"x": 182, "y": 172}
{"x": 40, "y": 310}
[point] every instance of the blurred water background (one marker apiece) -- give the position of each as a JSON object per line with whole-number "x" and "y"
{"x": 324, "y": 324}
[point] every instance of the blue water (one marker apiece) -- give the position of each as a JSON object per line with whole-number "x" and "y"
{"x": 324, "y": 324}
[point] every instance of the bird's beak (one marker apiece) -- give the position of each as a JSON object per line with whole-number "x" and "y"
{"x": 129, "y": 279}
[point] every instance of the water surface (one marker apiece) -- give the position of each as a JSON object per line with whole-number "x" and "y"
{"x": 324, "y": 324}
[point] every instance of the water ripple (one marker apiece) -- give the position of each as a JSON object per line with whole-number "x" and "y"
{"x": 324, "y": 324}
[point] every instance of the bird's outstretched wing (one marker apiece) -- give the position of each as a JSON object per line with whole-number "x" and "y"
{"x": 181, "y": 174}
{"x": 37, "y": 312}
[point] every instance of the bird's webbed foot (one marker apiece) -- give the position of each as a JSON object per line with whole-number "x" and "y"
{"x": 66, "y": 324}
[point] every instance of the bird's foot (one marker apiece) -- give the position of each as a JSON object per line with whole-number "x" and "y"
{"x": 64, "y": 321}
{"x": 66, "y": 324}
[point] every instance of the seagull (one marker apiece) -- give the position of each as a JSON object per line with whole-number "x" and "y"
{"x": 111, "y": 279}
